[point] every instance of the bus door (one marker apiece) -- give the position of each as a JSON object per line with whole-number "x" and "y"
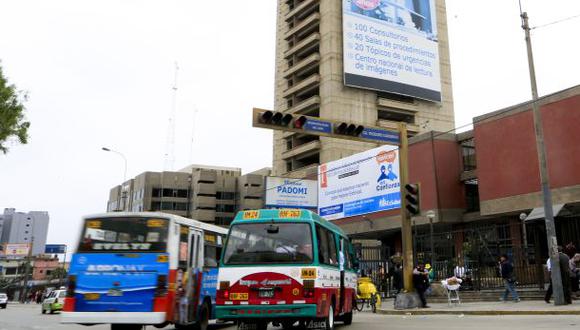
{"x": 341, "y": 266}
{"x": 195, "y": 257}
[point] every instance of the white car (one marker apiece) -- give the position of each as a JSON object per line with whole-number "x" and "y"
{"x": 3, "y": 300}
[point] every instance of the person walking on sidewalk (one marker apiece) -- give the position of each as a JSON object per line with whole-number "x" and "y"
{"x": 564, "y": 262}
{"x": 421, "y": 282}
{"x": 509, "y": 279}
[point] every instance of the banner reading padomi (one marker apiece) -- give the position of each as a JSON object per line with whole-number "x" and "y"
{"x": 292, "y": 193}
{"x": 363, "y": 183}
{"x": 392, "y": 46}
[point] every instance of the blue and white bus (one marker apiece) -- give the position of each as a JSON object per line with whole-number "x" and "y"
{"x": 134, "y": 269}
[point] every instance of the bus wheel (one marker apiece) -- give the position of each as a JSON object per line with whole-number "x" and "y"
{"x": 329, "y": 320}
{"x": 203, "y": 321}
{"x": 347, "y": 318}
{"x": 287, "y": 324}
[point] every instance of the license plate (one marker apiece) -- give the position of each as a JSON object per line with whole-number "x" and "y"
{"x": 115, "y": 293}
{"x": 266, "y": 293}
{"x": 239, "y": 296}
{"x": 92, "y": 296}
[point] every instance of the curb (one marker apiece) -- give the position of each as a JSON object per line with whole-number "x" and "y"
{"x": 477, "y": 313}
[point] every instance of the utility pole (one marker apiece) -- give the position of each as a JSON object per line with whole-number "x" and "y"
{"x": 556, "y": 276}
{"x": 24, "y": 290}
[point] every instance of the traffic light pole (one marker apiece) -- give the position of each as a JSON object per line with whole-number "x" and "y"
{"x": 406, "y": 230}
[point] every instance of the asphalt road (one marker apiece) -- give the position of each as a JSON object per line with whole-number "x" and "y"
{"x": 28, "y": 317}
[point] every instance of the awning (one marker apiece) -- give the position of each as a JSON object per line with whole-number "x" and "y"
{"x": 538, "y": 212}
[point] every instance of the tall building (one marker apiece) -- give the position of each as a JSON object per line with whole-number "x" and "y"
{"x": 25, "y": 228}
{"x": 206, "y": 193}
{"x": 310, "y": 80}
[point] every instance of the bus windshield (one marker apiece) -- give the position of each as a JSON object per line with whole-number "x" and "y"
{"x": 124, "y": 234}
{"x": 269, "y": 243}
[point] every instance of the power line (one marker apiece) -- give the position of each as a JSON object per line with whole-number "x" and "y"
{"x": 555, "y": 22}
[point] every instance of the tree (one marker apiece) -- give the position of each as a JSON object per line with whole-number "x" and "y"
{"x": 12, "y": 122}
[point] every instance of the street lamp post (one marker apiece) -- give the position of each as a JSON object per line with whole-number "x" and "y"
{"x": 123, "y": 192}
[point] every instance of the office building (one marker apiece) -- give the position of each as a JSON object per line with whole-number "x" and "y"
{"x": 25, "y": 228}
{"x": 207, "y": 193}
{"x": 310, "y": 80}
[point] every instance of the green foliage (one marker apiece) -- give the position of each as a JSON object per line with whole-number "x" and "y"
{"x": 57, "y": 274}
{"x": 12, "y": 122}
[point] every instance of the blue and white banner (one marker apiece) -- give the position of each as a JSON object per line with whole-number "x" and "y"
{"x": 392, "y": 46}
{"x": 363, "y": 183}
{"x": 291, "y": 193}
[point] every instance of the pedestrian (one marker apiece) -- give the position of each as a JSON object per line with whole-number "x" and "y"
{"x": 509, "y": 279}
{"x": 398, "y": 278}
{"x": 564, "y": 263}
{"x": 430, "y": 277}
{"x": 421, "y": 282}
{"x": 574, "y": 273}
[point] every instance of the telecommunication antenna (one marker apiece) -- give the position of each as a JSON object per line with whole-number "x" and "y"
{"x": 170, "y": 143}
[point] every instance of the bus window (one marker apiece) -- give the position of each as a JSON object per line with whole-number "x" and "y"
{"x": 262, "y": 243}
{"x": 332, "y": 253}
{"x": 124, "y": 234}
{"x": 211, "y": 255}
{"x": 323, "y": 256}
{"x": 346, "y": 251}
{"x": 183, "y": 244}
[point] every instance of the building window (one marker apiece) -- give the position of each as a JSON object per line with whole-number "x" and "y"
{"x": 11, "y": 271}
{"x": 472, "y": 196}
{"x": 156, "y": 192}
{"x": 468, "y": 155}
{"x": 224, "y": 208}
{"x": 225, "y": 195}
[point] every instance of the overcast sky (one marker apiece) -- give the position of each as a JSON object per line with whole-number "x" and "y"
{"x": 99, "y": 73}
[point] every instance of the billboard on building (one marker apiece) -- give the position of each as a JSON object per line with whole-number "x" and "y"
{"x": 363, "y": 183}
{"x": 392, "y": 46}
{"x": 15, "y": 250}
{"x": 293, "y": 193}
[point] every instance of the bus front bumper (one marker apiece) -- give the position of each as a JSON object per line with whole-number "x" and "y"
{"x": 238, "y": 312}
{"x": 113, "y": 317}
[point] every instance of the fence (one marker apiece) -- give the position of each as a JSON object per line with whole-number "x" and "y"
{"x": 476, "y": 249}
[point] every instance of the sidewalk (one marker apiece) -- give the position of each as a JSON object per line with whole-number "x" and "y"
{"x": 529, "y": 307}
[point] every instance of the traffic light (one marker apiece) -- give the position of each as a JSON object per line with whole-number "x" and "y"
{"x": 349, "y": 129}
{"x": 275, "y": 118}
{"x": 413, "y": 198}
{"x": 300, "y": 121}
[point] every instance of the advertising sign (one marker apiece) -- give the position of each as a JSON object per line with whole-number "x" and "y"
{"x": 363, "y": 183}
{"x": 55, "y": 249}
{"x": 392, "y": 46}
{"x": 16, "y": 250}
{"x": 291, "y": 193}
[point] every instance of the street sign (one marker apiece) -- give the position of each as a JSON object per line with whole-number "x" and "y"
{"x": 55, "y": 249}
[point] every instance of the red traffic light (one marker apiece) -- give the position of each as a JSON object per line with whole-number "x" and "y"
{"x": 299, "y": 123}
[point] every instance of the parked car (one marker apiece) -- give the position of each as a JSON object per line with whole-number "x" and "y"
{"x": 3, "y": 300}
{"x": 54, "y": 301}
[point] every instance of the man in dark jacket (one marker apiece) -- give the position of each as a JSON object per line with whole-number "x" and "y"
{"x": 421, "y": 282}
{"x": 564, "y": 262}
{"x": 509, "y": 280}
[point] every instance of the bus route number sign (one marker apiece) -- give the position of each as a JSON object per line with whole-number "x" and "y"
{"x": 308, "y": 273}
{"x": 289, "y": 214}
{"x": 251, "y": 215}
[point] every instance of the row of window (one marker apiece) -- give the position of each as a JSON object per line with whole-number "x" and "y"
{"x": 169, "y": 192}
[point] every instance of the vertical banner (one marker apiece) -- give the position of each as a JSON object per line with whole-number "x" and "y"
{"x": 363, "y": 183}
{"x": 392, "y": 46}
